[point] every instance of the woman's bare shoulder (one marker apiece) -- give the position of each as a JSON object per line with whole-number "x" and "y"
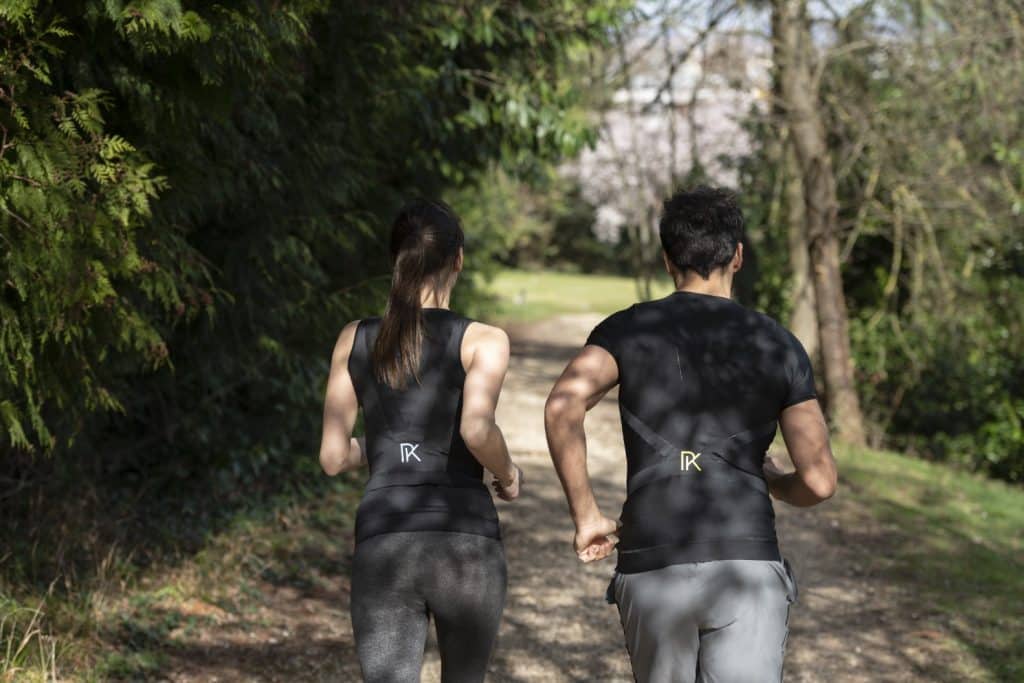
{"x": 346, "y": 339}
{"x": 481, "y": 338}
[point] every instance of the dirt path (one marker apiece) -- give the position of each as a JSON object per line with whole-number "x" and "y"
{"x": 849, "y": 626}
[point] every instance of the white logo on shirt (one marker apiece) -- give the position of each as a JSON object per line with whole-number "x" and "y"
{"x": 409, "y": 451}
{"x": 688, "y": 459}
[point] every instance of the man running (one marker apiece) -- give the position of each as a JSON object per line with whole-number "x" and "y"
{"x": 702, "y": 590}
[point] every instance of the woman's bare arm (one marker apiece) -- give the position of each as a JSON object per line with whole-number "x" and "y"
{"x": 338, "y": 450}
{"x": 485, "y": 354}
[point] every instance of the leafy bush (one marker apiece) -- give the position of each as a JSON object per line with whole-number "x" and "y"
{"x": 948, "y": 389}
{"x": 194, "y": 200}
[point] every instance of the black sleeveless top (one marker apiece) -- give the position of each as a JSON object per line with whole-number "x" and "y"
{"x": 422, "y": 476}
{"x": 702, "y": 383}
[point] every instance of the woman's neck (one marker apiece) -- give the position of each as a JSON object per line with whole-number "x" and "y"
{"x": 431, "y": 298}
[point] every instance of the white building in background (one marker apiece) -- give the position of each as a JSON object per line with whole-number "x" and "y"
{"x": 659, "y": 128}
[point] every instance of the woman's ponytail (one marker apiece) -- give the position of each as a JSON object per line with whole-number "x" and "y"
{"x": 425, "y": 241}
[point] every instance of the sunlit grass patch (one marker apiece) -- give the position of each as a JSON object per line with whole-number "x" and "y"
{"x": 522, "y": 295}
{"x": 960, "y": 546}
{"x": 299, "y": 540}
{"x": 27, "y": 652}
{"x": 122, "y": 622}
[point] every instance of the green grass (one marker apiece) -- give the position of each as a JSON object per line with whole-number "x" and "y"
{"x": 958, "y": 543}
{"x": 532, "y": 295}
{"x": 27, "y": 653}
{"x": 124, "y": 622}
{"x": 300, "y": 539}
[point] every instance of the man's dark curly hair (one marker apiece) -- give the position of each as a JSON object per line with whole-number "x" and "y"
{"x": 700, "y": 229}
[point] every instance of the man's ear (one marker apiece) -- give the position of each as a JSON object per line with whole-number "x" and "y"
{"x": 737, "y": 258}
{"x": 669, "y": 268}
{"x": 458, "y": 261}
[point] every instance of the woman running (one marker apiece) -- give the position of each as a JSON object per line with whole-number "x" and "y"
{"x": 427, "y": 537}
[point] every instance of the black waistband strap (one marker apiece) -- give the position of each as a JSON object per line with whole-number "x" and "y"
{"x": 384, "y": 479}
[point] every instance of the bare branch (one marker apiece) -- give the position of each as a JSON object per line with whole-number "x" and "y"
{"x": 683, "y": 56}
{"x": 667, "y": 20}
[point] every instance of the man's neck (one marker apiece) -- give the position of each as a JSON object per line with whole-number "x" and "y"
{"x": 717, "y": 284}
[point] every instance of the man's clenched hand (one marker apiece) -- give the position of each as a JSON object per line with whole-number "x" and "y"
{"x": 596, "y": 539}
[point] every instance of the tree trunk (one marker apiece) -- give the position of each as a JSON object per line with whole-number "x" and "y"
{"x": 803, "y": 319}
{"x": 799, "y": 98}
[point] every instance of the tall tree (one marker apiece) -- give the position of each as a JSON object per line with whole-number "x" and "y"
{"x": 793, "y": 50}
{"x": 788, "y": 207}
{"x": 803, "y": 318}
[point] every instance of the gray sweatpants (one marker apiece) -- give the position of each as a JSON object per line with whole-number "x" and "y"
{"x": 709, "y": 622}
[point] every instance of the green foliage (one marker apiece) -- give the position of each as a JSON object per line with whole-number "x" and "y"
{"x": 763, "y": 282}
{"x": 937, "y": 261}
{"x": 537, "y": 221}
{"x": 193, "y": 199}
{"x": 947, "y": 388}
{"x": 924, "y": 122}
{"x": 73, "y": 199}
{"x": 505, "y": 217}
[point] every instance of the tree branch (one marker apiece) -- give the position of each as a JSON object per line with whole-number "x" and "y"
{"x": 686, "y": 53}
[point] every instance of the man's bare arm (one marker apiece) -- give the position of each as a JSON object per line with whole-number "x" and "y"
{"x": 806, "y": 434}
{"x": 586, "y": 379}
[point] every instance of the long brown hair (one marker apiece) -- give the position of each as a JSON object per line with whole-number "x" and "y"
{"x": 425, "y": 241}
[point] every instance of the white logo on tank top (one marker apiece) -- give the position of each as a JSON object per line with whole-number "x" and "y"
{"x": 409, "y": 451}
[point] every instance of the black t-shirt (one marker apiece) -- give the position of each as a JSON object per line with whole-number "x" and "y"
{"x": 702, "y": 382}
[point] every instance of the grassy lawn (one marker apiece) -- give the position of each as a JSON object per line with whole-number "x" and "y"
{"x": 531, "y": 295}
{"x": 959, "y": 546}
{"x": 127, "y": 624}
{"x": 302, "y": 540}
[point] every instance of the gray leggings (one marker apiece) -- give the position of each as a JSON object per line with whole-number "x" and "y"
{"x": 400, "y": 579}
